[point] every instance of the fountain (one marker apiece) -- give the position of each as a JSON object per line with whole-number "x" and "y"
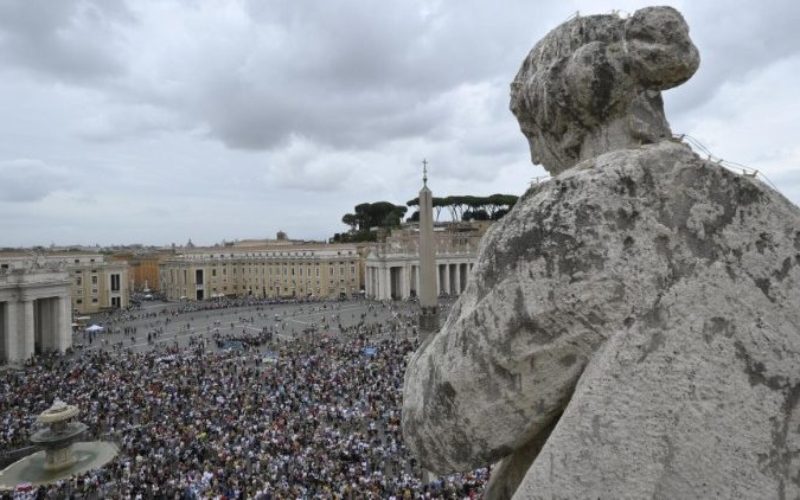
{"x": 61, "y": 455}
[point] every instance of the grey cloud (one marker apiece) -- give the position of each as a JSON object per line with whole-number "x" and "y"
{"x": 345, "y": 74}
{"x": 213, "y": 109}
{"x": 304, "y": 166}
{"x": 116, "y": 122}
{"x": 263, "y": 120}
{"x": 66, "y": 39}
{"x": 25, "y": 180}
{"x": 736, "y": 39}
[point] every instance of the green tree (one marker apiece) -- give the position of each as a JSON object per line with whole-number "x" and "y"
{"x": 479, "y": 214}
{"x": 367, "y": 217}
{"x": 351, "y": 220}
{"x": 468, "y": 207}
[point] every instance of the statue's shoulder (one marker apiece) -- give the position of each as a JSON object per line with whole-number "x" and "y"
{"x": 599, "y": 181}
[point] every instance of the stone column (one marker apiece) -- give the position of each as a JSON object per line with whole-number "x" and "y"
{"x": 63, "y": 324}
{"x": 447, "y": 278}
{"x": 400, "y": 284}
{"x": 386, "y": 287}
{"x": 407, "y": 269}
{"x": 458, "y": 279}
{"x": 44, "y": 324}
{"x": 25, "y": 331}
{"x": 51, "y": 333}
{"x": 9, "y": 328}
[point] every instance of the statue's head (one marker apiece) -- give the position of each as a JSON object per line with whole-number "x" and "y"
{"x": 593, "y": 84}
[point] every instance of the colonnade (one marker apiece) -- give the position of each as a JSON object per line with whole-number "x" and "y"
{"x": 35, "y": 315}
{"x": 399, "y": 280}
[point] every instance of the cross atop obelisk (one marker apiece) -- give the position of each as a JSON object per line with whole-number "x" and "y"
{"x": 429, "y": 314}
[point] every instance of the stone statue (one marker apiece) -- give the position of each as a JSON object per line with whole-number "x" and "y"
{"x": 593, "y": 85}
{"x": 631, "y": 328}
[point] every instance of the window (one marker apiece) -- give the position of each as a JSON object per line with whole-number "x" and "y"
{"x": 94, "y": 300}
{"x": 94, "y": 280}
{"x": 79, "y": 301}
{"x": 78, "y": 281}
{"x": 115, "y": 283}
{"x": 213, "y": 272}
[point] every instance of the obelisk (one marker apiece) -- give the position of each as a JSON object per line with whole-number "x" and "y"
{"x": 429, "y": 314}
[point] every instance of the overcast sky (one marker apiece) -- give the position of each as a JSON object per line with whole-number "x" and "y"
{"x": 159, "y": 121}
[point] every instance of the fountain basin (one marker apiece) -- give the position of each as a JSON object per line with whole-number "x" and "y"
{"x": 33, "y": 468}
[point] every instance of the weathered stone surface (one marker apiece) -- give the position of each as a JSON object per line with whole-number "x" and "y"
{"x": 642, "y": 309}
{"x": 593, "y": 84}
{"x": 631, "y": 328}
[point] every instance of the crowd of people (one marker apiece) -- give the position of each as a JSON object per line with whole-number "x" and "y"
{"x": 313, "y": 416}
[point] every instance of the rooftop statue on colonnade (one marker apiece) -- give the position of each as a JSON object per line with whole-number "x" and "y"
{"x": 630, "y": 328}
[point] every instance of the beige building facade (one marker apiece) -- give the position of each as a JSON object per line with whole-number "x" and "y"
{"x": 97, "y": 284}
{"x": 143, "y": 269}
{"x": 270, "y": 271}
